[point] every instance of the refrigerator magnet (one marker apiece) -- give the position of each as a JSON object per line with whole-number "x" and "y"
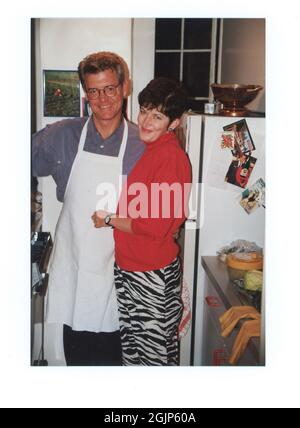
{"x": 240, "y": 170}
{"x": 253, "y": 197}
{"x": 243, "y": 142}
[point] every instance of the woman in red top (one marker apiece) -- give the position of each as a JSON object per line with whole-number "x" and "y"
{"x": 152, "y": 206}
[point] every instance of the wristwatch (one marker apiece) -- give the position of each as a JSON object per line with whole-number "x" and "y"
{"x": 107, "y": 220}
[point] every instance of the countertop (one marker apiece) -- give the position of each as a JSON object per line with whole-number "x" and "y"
{"x": 228, "y": 292}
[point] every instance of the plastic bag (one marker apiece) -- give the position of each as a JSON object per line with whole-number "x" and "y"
{"x": 238, "y": 246}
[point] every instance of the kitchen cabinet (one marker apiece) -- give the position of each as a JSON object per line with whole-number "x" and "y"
{"x": 220, "y": 294}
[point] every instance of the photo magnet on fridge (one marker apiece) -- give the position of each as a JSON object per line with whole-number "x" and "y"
{"x": 227, "y": 140}
{"x": 243, "y": 142}
{"x": 253, "y": 197}
{"x": 240, "y": 170}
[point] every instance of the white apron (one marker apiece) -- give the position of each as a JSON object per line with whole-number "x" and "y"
{"x": 81, "y": 290}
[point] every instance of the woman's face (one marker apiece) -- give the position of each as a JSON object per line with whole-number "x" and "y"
{"x": 152, "y": 124}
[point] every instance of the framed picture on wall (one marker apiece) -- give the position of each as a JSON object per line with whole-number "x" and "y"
{"x": 61, "y": 93}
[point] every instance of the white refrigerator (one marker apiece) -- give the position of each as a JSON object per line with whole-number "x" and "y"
{"x": 216, "y": 215}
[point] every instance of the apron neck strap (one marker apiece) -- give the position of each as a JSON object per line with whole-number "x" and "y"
{"x": 124, "y": 140}
{"x": 123, "y": 143}
{"x": 83, "y": 135}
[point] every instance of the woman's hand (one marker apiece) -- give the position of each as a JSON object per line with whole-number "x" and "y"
{"x": 98, "y": 218}
{"x": 122, "y": 224}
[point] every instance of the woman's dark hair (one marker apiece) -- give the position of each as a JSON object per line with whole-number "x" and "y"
{"x": 166, "y": 95}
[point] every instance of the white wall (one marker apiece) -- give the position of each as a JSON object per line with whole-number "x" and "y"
{"x": 143, "y": 44}
{"x": 243, "y": 55}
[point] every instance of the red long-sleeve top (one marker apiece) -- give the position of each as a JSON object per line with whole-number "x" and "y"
{"x": 155, "y": 215}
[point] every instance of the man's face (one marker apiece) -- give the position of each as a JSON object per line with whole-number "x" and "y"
{"x": 105, "y": 108}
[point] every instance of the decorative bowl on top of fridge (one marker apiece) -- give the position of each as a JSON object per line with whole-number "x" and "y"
{"x": 234, "y": 97}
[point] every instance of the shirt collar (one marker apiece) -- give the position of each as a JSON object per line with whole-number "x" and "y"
{"x": 164, "y": 139}
{"x": 118, "y": 134}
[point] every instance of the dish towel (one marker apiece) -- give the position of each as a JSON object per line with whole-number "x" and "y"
{"x": 250, "y": 328}
{"x": 186, "y": 318}
{"x": 231, "y": 317}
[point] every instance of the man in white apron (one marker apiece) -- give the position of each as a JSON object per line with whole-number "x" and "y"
{"x": 81, "y": 293}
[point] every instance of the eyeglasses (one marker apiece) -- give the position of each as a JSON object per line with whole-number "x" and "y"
{"x": 109, "y": 91}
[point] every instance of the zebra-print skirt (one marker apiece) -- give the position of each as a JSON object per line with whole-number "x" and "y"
{"x": 150, "y": 310}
